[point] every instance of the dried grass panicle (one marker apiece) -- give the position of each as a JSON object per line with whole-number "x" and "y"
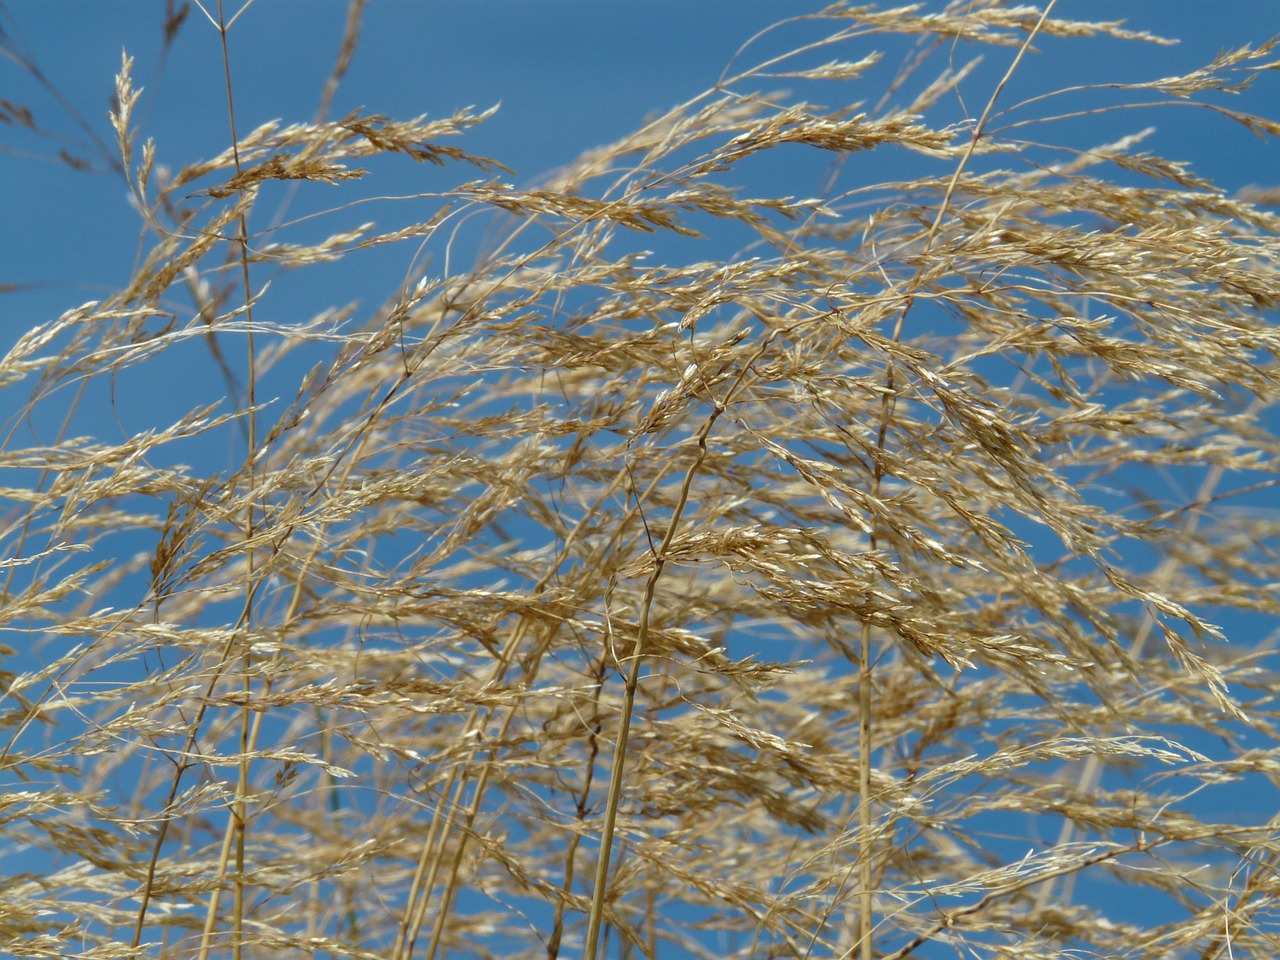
{"x": 577, "y": 549}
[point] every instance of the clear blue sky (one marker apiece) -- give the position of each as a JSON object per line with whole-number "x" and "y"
{"x": 569, "y": 74}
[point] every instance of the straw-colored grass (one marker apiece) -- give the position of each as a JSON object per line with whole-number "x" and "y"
{"x": 842, "y": 579}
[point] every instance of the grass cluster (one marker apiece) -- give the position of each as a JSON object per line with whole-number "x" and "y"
{"x": 843, "y": 579}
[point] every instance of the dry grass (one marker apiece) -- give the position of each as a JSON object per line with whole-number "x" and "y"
{"x": 845, "y": 592}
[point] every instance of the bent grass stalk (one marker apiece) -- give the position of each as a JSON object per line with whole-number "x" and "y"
{"x": 636, "y": 657}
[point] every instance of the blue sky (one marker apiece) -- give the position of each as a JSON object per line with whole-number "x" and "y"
{"x": 568, "y": 74}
